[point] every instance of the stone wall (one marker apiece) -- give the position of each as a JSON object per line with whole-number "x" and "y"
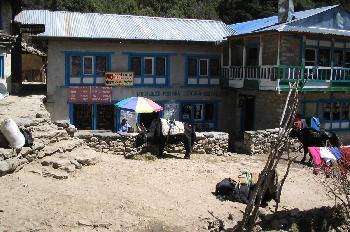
{"x": 215, "y": 143}
{"x": 261, "y": 141}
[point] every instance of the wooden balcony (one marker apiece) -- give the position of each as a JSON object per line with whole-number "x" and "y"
{"x": 273, "y": 77}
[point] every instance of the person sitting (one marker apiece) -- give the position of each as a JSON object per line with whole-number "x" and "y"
{"x": 124, "y": 126}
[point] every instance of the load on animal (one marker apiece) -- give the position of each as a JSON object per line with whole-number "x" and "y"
{"x": 310, "y": 137}
{"x": 163, "y": 132}
{"x": 11, "y": 136}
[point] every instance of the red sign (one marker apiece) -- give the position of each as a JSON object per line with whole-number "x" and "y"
{"x": 101, "y": 94}
{"x": 90, "y": 94}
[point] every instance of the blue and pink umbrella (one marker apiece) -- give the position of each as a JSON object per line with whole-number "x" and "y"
{"x": 139, "y": 105}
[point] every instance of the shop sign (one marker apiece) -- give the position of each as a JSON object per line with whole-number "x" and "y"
{"x": 119, "y": 78}
{"x": 90, "y": 94}
{"x": 182, "y": 93}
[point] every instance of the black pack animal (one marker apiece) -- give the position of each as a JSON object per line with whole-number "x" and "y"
{"x": 156, "y": 137}
{"x": 229, "y": 189}
{"x": 312, "y": 138}
{"x": 27, "y": 136}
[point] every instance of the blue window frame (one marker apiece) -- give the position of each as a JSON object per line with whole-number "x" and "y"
{"x": 202, "y": 69}
{"x": 150, "y": 69}
{"x": 334, "y": 114}
{"x": 2, "y": 67}
{"x": 201, "y": 114}
{"x": 86, "y": 68}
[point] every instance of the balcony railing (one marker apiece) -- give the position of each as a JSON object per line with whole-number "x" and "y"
{"x": 288, "y": 73}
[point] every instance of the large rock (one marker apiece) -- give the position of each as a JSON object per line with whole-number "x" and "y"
{"x": 87, "y": 160}
{"x": 62, "y": 123}
{"x": 9, "y": 166}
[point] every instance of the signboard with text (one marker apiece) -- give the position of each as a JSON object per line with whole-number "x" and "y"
{"x": 119, "y": 78}
{"x": 90, "y": 94}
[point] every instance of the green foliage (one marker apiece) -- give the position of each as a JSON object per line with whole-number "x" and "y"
{"x": 230, "y": 11}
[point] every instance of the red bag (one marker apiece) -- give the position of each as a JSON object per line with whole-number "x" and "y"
{"x": 345, "y": 151}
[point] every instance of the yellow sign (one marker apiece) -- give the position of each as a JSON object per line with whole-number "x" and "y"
{"x": 119, "y": 78}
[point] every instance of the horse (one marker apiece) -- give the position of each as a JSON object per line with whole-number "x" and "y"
{"x": 310, "y": 137}
{"x": 161, "y": 133}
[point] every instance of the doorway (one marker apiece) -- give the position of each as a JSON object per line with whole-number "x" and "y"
{"x": 247, "y": 112}
{"x": 147, "y": 118}
{"x": 105, "y": 117}
{"x": 83, "y": 116}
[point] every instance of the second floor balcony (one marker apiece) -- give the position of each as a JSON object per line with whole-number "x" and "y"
{"x": 274, "y": 77}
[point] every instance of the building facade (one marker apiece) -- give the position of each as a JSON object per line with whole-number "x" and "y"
{"x": 267, "y": 55}
{"x": 175, "y": 62}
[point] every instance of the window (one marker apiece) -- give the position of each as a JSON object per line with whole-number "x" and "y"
{"x": 202, "y": 115}
{"x": 203, "y": 67}
{"x": 148, "y": 62}
{"x": 335, "y": 114}
{"x": 252, "y": 56}
{"x": 338, "y": 58}
{"x": 324, "y": 58}
{"x": 101, "y": 64}
{"x": 161, "y": 66}
{"x": 75, "y": 66}
{"x": 347, "y": 59}
{"x": 203, "y": 70}
{"x": 192, "y": 67}
{"x": 136, "y": 65}
{"x": 149, "y": 70}
{"x": 88, "y": 64}
{"x": 310, "y": 57}
{"x": 86, "y": 68}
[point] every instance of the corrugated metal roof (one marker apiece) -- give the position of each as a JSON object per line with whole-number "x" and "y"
{"x": 65, "y": 24}
{"x": 271, "y": 23}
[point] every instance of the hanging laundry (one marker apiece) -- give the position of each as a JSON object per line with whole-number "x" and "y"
{"x": 326, "y": 154}
{"x": 315, "y": 123}
{"x": 336, "y": 152}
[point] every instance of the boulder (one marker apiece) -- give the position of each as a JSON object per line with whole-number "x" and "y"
{"x": 62, "y": 123}
{"x": 87, "y": 160}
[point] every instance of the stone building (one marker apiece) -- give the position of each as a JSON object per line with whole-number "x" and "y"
{"x": 267, "y": 54}
{"x": 175, "y": 62}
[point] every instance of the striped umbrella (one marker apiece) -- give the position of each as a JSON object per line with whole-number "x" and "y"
{"x": 139, "y": 105}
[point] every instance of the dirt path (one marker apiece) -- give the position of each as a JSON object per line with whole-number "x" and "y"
{"x": 128, "y": 195}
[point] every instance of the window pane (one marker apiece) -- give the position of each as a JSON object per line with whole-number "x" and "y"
{"x": 336, "y": 111}
{"x": 338, "y": 58}
{"x": 88, "y": 65}
{"x": 160, "y": 66}
{"x": 136, "y": 65}
{"x": 101, "y": 64}
{"x": 209, "y": 112}
{"x": 347, "y": 59}
{"x": 203, "y": 67}
{"x": 214, "y": 67}
{"x": 324, "y": 57}
{"x": 310, "y": 57}
{"x": 192, "y": 67}
{"x": 252, "y": 56}
{"x": 75, "y": 70}
{"x": 345, "y": 111}
{"x": 326, "y": 108}
{"x": 148, "y": 66}
{"x": 198, "y": 111}
{"x": 186, "y": 111}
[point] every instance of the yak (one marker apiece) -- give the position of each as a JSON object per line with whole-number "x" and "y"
{"x": 163, "y": 132}
{"x": 310, "y": 137}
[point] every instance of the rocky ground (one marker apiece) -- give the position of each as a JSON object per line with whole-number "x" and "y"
{"x": 79, "y": 189}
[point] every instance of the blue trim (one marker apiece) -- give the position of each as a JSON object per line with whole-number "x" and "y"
{"x": 149, "y": 53}
{"x": 2, "y": 67}
{"x": 154, "y": 76}
{"x": 94, "y": 115}
{"x": 198, "y": 57}
{"x": 81, "y": 54}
